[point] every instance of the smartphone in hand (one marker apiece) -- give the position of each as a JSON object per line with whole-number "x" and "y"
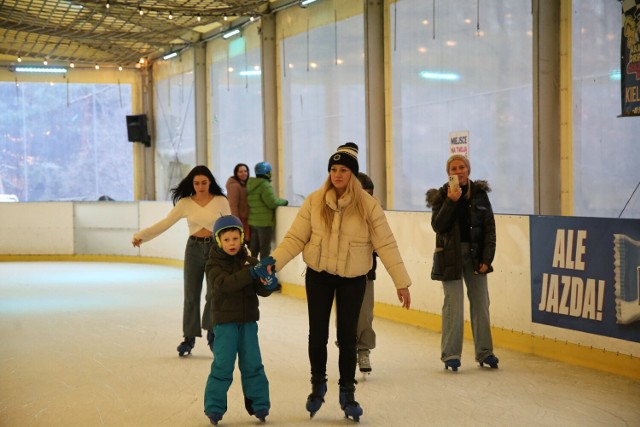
{"x": 453, "y": 182}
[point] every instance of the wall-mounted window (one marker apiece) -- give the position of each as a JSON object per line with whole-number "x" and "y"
{"x": 321, "y": 55}
{"x": 175, "y": 123}
{"x": 466, "y": 68}
{"x": 236, "y": 103}
{"x": 65, "y": 141}
{"x": 606, "y": 148}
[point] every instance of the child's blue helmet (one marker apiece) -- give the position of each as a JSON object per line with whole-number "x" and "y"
{"x": 224, "y": 222}
{"x": 263, "y": 168}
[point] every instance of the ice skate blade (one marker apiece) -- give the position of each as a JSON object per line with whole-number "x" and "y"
{"x": 454, "y": 364}
{"x": 491, "y": 365}
{"x": 354, "y": 418}
{"x": 183, "y": 353}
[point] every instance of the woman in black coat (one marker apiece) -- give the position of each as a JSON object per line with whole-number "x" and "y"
{"x": 465, "y": 246}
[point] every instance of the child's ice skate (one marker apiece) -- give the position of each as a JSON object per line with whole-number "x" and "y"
{"x": 214, "y": 418}
{"x": 262, "y": 415}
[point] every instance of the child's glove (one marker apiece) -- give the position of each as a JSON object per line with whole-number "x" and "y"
{"x": 269, "y": 261}
{"x": 271, "y": 282}
{"x": 259, "y": 271}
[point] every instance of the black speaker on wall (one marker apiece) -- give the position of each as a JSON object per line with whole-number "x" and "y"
{"x": 137, "y": 129}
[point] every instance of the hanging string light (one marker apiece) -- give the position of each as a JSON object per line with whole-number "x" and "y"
{"x": 478, "y": 19}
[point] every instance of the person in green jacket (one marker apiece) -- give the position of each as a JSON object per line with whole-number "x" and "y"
{"x": 262, "y": 210}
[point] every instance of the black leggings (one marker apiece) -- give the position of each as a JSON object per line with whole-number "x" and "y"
{"x": 321, "y": 288}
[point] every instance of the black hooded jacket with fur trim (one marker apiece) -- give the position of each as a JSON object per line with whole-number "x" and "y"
{"x": 447, "y": 261}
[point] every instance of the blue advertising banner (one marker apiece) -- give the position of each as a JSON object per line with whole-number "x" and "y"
{"x": 585, "y": 275}
{"x": 630, "y": 58}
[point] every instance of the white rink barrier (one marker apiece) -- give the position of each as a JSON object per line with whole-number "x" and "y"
{"x": 104, "y": 229}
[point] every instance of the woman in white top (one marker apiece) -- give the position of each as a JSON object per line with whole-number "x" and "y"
{"x": 199, "y": 198}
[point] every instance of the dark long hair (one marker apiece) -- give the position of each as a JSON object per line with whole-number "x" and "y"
{"x": 185, "y": 187}
{"x": 235, "y": 173}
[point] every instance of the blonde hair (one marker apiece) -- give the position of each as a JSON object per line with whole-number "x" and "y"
{"x": 462, "y": 158}
{"x": 354, "y": 189}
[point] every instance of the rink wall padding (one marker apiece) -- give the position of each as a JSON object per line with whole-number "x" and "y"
{"x": 102, "y": 231}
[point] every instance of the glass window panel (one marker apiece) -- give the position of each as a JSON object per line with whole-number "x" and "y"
{"x": 175, "y": 122}
{"x": 606, "y": 148}
{"x": 448, "y": 76}
{"x": 236, "y": 103}
{"x": 65, "y": 141}
{"x": 323, "y": 95}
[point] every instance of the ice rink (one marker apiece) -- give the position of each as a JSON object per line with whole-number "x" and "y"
{"x": 93, "y": 344}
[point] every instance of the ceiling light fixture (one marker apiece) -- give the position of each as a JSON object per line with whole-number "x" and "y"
{"x": 108, "y": 4}
{"x": 19, "y": 59}
{"x": 170, "y": 15}
{"x": 170, "y": 55}
{"x": 231, "y": 33}
{"x": 433, "y": 75}
{"x": 140, "y": 11}
{"x": 305, "y": 3}
{"x": 38, "y": 69}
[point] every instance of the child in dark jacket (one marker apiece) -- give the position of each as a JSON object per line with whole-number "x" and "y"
{"x": 234, "y": 281}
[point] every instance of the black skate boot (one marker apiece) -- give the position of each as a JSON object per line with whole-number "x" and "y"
{"x": 316, "y": 398}
{"x": 454, "y": 364}
{"x": 262, "y": 415}
{"x": 186, "y": 346}
{"x": 214, "y": 418}
{"x": 490, "y": 360}
{"x": 352, "y": 409}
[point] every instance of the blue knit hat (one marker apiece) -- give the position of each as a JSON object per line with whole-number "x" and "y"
{"x": 224, "y": 222}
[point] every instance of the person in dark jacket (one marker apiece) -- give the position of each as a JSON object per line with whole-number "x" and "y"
{"x": 234, "y": 281}
{"x": 465, "y": 228}
{"x": 366, "y": 334}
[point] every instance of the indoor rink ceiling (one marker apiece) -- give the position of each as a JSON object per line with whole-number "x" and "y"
{"x": 115, "y": 32}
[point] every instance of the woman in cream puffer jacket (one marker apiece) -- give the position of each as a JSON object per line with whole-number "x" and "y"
{"x": 337, "y": 229}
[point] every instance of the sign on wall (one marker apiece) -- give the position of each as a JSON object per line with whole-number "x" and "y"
{"x": 585, "y": 275}
{"x": 630, "y": 58}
